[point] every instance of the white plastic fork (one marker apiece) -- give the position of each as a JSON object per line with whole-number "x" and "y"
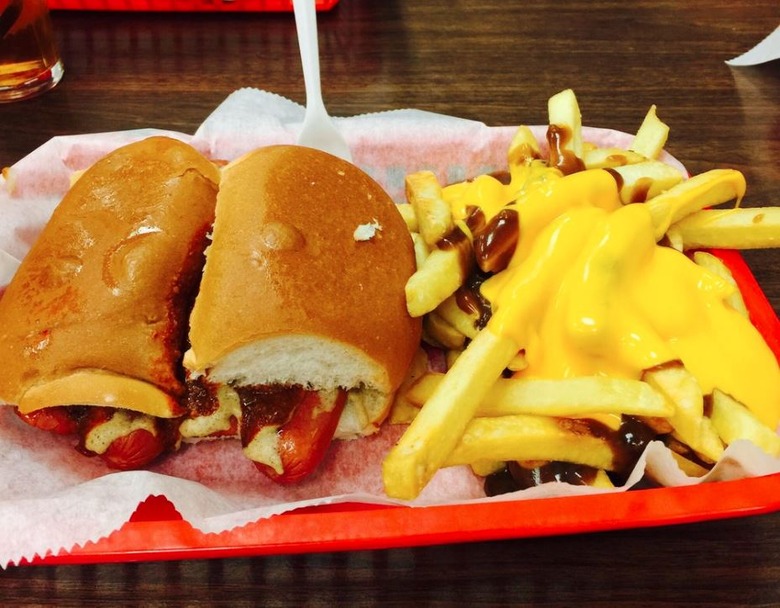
{"x": 318, "y": 130}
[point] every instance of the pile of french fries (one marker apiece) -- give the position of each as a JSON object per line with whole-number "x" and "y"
{"x": 473, "y": 411}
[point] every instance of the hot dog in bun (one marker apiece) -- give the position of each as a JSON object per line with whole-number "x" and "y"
{"x": 300, "y": 331}
{"x": 93, "y": 324}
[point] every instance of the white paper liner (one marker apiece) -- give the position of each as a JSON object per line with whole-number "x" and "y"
{"x": 52, "y": 498}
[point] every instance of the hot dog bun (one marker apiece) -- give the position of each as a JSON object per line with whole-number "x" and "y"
{"x": 96, "y": 313}
{"x": 290, "y": 295}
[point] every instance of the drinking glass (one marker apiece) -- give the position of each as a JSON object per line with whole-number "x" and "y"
{"x": 29, "y": 59}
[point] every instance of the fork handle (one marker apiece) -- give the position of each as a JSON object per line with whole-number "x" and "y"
{"x": 306, "y": 26}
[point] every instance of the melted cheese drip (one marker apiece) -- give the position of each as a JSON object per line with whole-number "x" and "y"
{"x": 121, "y": 424}
{"x": 264, "y": 448}
{"x": 219, "y": 421}
{"x": 588, "y": 291}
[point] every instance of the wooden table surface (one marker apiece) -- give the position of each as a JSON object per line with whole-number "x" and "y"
{"x": 497, "y": 61}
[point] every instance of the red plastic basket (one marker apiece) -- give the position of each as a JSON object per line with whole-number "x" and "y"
{"x": 158, "y": 532}
{"x": 185, "y": 5}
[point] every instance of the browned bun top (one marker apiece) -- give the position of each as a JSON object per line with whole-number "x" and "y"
{"x": 101, "y": 295}
{"x": 286, "y": 268}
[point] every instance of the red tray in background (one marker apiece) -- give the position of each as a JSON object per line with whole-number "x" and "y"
{"x": 185, "y": 5}
{"x": 156, "y": 531}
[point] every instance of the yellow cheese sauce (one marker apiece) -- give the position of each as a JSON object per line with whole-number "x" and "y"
{"x": 589, "y": 291}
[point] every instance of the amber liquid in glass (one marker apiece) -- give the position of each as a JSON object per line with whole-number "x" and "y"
{"x": 29, "y": 59}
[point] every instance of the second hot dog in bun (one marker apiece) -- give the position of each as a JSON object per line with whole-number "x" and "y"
{"x": 300, "y": 331}
{"x": 94, "y": 322}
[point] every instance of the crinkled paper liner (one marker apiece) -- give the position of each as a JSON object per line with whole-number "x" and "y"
{"x": 53, "y": 499}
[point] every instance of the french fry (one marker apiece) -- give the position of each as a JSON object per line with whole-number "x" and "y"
{"x": 407, "y": 212}
{"x": 483, "y": 468}
{"x": 610, "y": 421}
{"x": 440, "y": 424}
{"x": 451, "y": 356}
{"x": 609, "y": 158}
{"x": 403, "y": 410}
{"x": 745, "y": 228}
{"x": 421, "y": 250}
{"x": 522, "y": 437}
{"x": 441, "y": 333}
{"x": 563, "y": 112}
{"x": 565, "y": 398}
{"x": 715, "y": 265}
{"x": 465, "y": 322}
{"x": 661, "y": 426}
{"x": 575, "y": 397}
{"x": 424, "y": 386}
{"x": 645, "y": 180}
{"x": 673, "y": 239}
{"x": 602, "y": 480}
{"x": 687, "y": 466}
{"x": 440, "y": 275}
{"x": 733, "y": 421}
{"x": 518, "y": 362}
{"x": 523, "y": 147}
{"x": 651, "y": 137}
{"x": 682, "y": 390}
{"x": 434, "y": 217}
{"x": 704, "y": 190}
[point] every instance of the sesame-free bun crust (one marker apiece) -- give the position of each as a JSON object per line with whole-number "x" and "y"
{"x": 95, "y": 314}
{"x": 290, "y": 296}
